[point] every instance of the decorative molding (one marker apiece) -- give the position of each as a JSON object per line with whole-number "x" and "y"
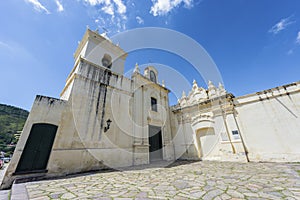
{"x": 200, "y": 95}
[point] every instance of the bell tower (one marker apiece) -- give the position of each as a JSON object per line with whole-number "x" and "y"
{"x": 100, "y": 50}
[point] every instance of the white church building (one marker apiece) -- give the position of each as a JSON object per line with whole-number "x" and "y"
{"x": 105, "y": 120}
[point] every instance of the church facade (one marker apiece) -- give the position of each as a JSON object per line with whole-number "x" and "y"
{"x": 105, "y": 120}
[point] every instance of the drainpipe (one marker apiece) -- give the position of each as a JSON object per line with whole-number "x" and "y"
{"x": 184, "y": 135}
{"x": 227, "y": 129}
{"x": 172, "y": 140}
{"x": 238, "y": 127}
{"x": 133, "y": 124}
{"x": 143, "y": 107}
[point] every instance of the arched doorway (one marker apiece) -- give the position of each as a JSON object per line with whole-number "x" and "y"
{"x": 205, "y": 141}
{"x": 37, "y": 149}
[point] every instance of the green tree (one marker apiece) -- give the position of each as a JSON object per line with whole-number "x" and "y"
{"x": 12, "y": 120}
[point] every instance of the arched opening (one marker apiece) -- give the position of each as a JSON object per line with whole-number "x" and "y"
{"x": 37, "y": 149}
{"x": 106, "y": 61}
{"x": 152, "y": 76}
{"x": 204, "y": 141}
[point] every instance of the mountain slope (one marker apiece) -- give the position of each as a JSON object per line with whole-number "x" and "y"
{"x": 12, "y": 120}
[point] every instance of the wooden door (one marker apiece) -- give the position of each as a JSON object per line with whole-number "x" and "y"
{"x": 37, "y": 149}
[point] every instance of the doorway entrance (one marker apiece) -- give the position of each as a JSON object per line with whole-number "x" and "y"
{"x": 37, "y": 149}
{"x": 155, "y": 142}
{"x": 205, "y": 141}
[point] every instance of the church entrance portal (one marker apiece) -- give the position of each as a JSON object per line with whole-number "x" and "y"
{"x": 155, "y": 142}
{"x": 37, "y": 149}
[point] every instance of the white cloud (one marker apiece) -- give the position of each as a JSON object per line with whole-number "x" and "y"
{"x": 60, "y": 7}
{"x": 298, "y": 38}
{"x": 38, "y": 6}
{"x": 116, "y": 9}
{"x": 163, "y": 7}
{"x": 109, "y": 6}
{"x": 188, "y": 3}
{"x": 281, "y": 25}
{"x": 108, "y": 9}
{"x": 95, "y": 2}
{"x": 121, "y": 6}
{"x": 139, "y": 20}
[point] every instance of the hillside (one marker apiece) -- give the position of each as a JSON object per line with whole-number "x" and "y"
{"x": 12, "y": 120}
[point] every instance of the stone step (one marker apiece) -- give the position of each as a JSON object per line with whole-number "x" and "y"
{"x": 4, "y": 194}
{"x": 19, "y": 192}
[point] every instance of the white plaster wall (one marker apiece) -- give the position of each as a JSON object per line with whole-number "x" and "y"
{"x": 202, "y": 138}
{"x": 271, "y": 127}
{"x": 209, "y": 141}
{"x": 184, "y": 142}
{"x": 80, "y": 133}
{"x": 159, "y": 118}
{"x": 44, "y": 110}
{"x": 82, "y": 53}
{"x": 143, "y": 116}
{"x": 95, "y": 53}
{"x": 67, "y": 92}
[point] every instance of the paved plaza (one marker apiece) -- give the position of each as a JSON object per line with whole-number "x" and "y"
{"x": 181, "y": 180}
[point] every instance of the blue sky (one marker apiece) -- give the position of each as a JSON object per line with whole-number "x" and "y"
{"x": 254, "y": 43}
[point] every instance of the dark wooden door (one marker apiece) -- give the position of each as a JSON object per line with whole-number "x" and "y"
{"x": 37, "y": 149}
{"x": 155, "y": 142}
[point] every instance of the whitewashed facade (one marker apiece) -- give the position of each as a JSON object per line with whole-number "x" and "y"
{"x": 105, "y": 120}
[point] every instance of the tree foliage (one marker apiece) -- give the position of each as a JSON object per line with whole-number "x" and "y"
{"x": 12, "y": 120}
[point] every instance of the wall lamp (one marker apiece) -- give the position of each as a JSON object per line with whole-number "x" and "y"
{"x": 108, "y": 122}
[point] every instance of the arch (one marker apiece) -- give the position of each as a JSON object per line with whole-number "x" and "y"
{"x": 37, "y": 149}
{"x": 204, "y": 140}
{"x": 152, "y": 76}
{"x": 151, "y": 73}
{"x": 106, "y": 61}
{"x": 205, "y": 131}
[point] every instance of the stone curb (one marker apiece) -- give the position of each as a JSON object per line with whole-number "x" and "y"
{"x": 19, "y": 192}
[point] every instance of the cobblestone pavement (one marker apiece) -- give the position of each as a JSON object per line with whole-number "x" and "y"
{"x": 188, "y": 180}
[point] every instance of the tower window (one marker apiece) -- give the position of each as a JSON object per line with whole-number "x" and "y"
{"x": 153, "y": 104}
{"x": 106, "y": 61}
{"x": 152, "y": 76}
